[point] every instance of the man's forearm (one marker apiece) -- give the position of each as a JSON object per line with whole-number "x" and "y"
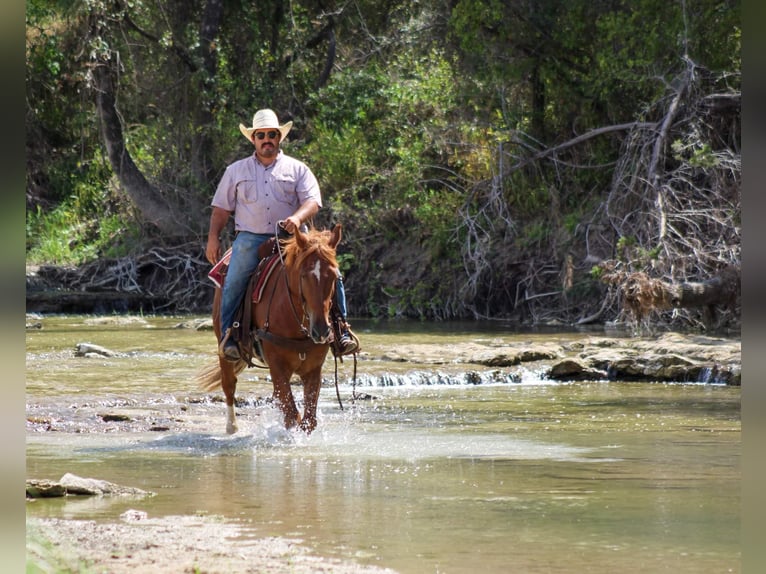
{"x": 218, "y": 220}
{"x": 307, "y": 210}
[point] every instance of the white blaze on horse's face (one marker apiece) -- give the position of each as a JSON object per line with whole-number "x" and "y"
{"x": 317, "y": 269}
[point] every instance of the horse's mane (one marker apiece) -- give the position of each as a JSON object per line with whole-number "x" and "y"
{"x": 318, "y": 241}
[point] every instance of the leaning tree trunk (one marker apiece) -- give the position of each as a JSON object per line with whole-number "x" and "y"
{"x": 208, "y": 53}
{"x": 147, "y": 199}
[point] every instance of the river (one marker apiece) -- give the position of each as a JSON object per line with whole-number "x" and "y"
{"x": 431, "y": 471}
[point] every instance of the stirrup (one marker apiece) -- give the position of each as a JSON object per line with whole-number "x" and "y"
{"x": 229, "y": 350}
{"x": 348, "y": 343}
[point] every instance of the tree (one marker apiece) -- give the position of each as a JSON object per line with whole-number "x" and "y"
{"x": 505, "y": 146}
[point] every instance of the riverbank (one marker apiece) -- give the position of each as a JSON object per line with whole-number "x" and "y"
{"x": 171, "y": 545}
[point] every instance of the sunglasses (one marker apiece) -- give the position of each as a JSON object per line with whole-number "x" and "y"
{"x": 272, "y": 135}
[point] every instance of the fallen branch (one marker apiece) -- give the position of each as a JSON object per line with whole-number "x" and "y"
{"x": 643, "y": 294}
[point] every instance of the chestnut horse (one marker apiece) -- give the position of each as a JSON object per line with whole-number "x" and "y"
{"x": 293, "y": 325}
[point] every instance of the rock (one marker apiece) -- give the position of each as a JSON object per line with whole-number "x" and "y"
{"x": 498, "y": 360}
{"x": 495, "y": 358}
{"x": 602, "y": 359}
{"x": 671, "y": 357}
{"x": 573, "y": 369}
{"x": 116, "y": 320}
{"x": 110, "y": 418}
{"x": 196, "y": 324}
{"x": 44, "y": 489}
{"x": 723, "y": 374}
{"x": 71, "y": 484}
{"x": 538, "y": 354}
{"x": 34, "y": 321}
{"x": 134, "y": 515}
{"x": 394, "y": 358}
{"x": 92, "y": 486}
{"x": 91, "y": 350}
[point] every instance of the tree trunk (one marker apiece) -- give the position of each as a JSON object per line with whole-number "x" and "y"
{"x": 719, "y": 290}
{"x": 211, "y": 23}
{"x": 147, "y": 199}
{"x": 538, "y": 103}
{"x": 212, "y": 18}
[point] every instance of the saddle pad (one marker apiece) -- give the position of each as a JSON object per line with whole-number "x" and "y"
{"x": 265, "y": 268}
{"x": 216, "y": 273}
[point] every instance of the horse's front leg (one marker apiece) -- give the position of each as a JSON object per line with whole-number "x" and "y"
{"x": 283, "y": 395}
{"x": 229, "y": 386}
{"x": 312, "y": 383}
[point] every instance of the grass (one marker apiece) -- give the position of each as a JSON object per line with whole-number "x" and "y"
{"x": 43, "y": 557}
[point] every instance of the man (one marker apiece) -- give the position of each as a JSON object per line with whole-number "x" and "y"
{"x": 262, "y": 190}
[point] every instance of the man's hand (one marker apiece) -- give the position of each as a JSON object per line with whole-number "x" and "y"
{"x": 218, "y": 219}
{"x": 213, "y": 249}
{"x": 305, "y": 212}
{"x": 291, "y": 224}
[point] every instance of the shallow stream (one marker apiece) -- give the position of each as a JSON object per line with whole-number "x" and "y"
{"x": 429, "y": 474}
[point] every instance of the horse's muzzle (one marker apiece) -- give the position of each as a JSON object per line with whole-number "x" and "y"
{"x": 320, "y": 334}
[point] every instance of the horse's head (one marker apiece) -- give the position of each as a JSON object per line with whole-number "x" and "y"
{"x": 313, "y": 270}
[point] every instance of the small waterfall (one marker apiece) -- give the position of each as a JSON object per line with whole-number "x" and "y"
{"x": 720, "y": 375}
{"x": 707, "y": 375}
{"x": 438, "y": 378}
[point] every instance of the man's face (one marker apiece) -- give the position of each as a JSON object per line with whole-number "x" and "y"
{"x": 266, "y": 142}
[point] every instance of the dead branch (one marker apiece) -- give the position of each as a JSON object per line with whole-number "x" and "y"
{"x": 630, "y": 126}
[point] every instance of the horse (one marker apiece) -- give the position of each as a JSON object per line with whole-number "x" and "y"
{"x": 292, "y": 325}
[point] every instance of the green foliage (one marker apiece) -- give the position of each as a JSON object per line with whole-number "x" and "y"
{"x": 376, "y": 138}
{"x": 624, "y": 245}
{"x": 629, "y": 251}
{"x": 91, "y": 222}
{"x": 425, "y": 124}
{"x": 695, "y": 153}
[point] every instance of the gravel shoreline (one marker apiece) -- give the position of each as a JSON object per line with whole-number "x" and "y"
{"x": 171, "y": 545}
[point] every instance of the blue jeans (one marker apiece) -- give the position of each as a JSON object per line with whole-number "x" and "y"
{"x": 340, "y": 296}
{"x": 244, "y": 259}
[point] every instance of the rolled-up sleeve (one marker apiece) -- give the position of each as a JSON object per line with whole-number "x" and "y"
{"x": 226, "y": 193}
{"x": 307, "y": 185}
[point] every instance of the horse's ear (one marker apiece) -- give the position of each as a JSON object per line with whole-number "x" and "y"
{"x": 336, "y": 235}
{"x": 300, "y": 238}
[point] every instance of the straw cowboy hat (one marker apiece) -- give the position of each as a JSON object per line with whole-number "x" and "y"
{"x": 265, "y": 119}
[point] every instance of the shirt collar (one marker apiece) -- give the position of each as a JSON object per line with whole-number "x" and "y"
{"x": 272, "y": 164}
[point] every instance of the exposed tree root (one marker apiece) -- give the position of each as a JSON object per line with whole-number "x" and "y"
{"x": 169, "y": 279}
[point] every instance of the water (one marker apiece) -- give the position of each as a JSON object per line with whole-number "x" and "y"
{"x": 435, "y": 474}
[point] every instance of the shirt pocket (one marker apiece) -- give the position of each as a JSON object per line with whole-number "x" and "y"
{"x": 247, "y": 191}
{"x": 284, "y": 189}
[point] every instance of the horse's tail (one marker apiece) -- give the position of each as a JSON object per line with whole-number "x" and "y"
{"x": 209, "y": 377}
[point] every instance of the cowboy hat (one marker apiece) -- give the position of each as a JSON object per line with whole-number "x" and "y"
{"x": 265, "y": 119}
